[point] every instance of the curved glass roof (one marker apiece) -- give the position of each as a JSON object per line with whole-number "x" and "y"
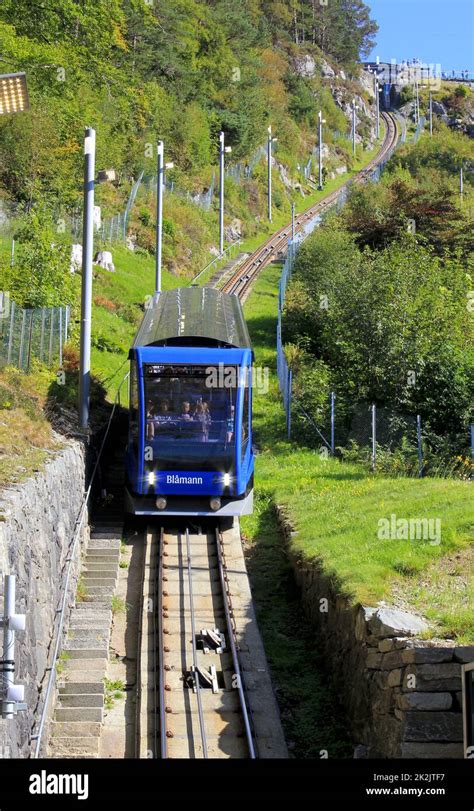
{"x": 198, "y": 315}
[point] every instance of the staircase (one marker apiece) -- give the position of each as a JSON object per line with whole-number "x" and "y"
{"x": 79, "y": 710}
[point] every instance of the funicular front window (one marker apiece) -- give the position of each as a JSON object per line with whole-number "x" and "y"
{"x": 190, "y": 413}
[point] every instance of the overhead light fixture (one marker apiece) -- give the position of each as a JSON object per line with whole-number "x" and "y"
{"x": 13, "y": 93}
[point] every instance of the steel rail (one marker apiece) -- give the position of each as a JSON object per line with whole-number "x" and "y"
{"x": 233, "y": 647}
{"x": 161, "y": 673}
{"x": 193, "y": 635}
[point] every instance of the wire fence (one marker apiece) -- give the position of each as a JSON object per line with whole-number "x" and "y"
{"x": 394, "y": 440}
{"x": 28, "y": 334}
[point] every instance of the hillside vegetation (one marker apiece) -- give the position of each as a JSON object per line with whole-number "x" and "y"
{"x": 380, "y": 310}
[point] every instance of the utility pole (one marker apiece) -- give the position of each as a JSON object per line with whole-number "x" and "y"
{"x": 159, "y": 212}
{"x": 321, "y": 121}
{"x": 353, "y": 126}
{"x": 86, "y": 287}
{"x": 270, "y": 141}
{"x": 222, "y": 151}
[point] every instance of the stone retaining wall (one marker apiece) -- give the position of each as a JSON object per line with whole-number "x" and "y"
{"x": 37, "y": 520}
{"x": 402, "y": 694}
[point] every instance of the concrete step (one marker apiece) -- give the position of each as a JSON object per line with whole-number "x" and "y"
{"x": 106, "y": 540}
{"x": 75, "y": 729}
{"x": 95, "y": 664}
{"x": 99, "y": 579}
{"x": 92, "y": 602}
{"x": 89, "y": 634}
{"x": 86, "y": 653}
{"x": 99, "y": 591}
{"x": 89, "y": 700}
{"x": 92, "y": 568}
{"x": 76, "y": 678}
{"x": 73, "y": 747}
{"x": 78, "y": 714}
{"x": 108, "y": 556}
{"x": 75, "y": 688}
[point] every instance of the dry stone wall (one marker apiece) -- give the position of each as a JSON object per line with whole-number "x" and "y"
{"x": 402, "y": 693}
{"x": 37, "y": 520}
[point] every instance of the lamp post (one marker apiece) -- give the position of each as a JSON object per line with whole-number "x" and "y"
{"x": 353, "y": 127}
{"x": 86, "y": 284}
{"x": 321, "y": 121}
{"x": 159, "y": 212}
{"x": 13, "y": 93}
{"x": 270, "y": 141}
{"x": 222, "y": 151}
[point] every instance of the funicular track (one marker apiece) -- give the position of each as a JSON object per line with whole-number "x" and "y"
{"x": 191, "y": 687}
{"x": 247, "y": 272}
{"x": 194, "y": 672}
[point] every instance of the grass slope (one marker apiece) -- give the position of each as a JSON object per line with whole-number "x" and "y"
{"x": 336, "y": 508}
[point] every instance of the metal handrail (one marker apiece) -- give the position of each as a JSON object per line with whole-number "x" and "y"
{"x": 216, "y": 259}
{"x": 61, "y": 611}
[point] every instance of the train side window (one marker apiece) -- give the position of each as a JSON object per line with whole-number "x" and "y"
{"x": 245, "y": 417}
{"x": 133, "y": 405}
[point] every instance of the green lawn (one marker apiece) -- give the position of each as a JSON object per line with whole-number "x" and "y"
{"x": 336, "y": 507}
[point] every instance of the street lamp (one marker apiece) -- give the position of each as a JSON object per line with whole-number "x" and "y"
{"x": 159, "y": 212}
{"x": 13, "y": 93}
{"x": 270, "y": 141}
{"x": 321, "y": 121}
{"x": 222, "y": 151}
{"x": 86, "y": 282}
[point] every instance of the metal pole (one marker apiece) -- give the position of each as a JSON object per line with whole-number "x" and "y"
{"x": 292, "y": 229}
{"x": 41, "y": 348}
{"x": 269, "y": 161}
{"x": 60, "y": 337}
{"x": 461, "y": 182}
{"x": 159, "y": 216}
{"x": 12, "y": 327}
{"x": 377, "y": 107}
{"x": 8, "y": 666}
{"x": 420, "y": 446}
{"x": 320, "y": 150}
{"x": 431, "y": 114}
{"x": 290, "y": 387}
{"x": 221, "y": 192}
{"x": 353, "y": 127}
{"x": 333, "y": 413}
{"x": 51, "y": 335}
{"x": 472, "y": 441}
{"x": 86, "y": 288}
{"x": 12, "y": 261}
{"x": 374, "y": 439}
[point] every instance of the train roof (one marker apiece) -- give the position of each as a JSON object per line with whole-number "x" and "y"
{"x": 196, "y": 315}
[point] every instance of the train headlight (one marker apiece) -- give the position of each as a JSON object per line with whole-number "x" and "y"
{"x": 215, "y": 504}
{"x": 160, "y": 502}
{"x": 151, "y": 478}
{"x": 226, "y": 479}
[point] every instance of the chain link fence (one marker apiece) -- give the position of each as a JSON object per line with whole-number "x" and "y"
{"x": 28, "y": 334}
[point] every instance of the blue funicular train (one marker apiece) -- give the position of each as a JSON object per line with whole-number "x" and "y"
{"x": 189, "y": 448}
